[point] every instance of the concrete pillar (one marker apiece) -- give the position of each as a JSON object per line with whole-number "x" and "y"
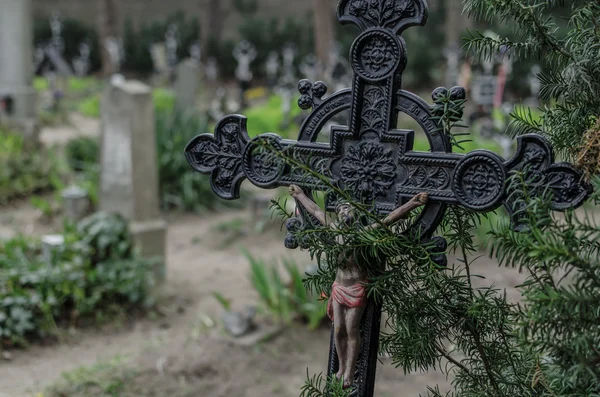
{"x": 16, "y": 57}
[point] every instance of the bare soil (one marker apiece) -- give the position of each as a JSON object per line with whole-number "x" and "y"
{"x": 178, "y": 353}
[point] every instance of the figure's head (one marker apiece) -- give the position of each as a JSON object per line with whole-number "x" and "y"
{"x": 345, "y": 213}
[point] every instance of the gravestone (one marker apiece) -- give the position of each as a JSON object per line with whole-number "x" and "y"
{"x": 81, "y": 63}
{"x": 114, "y": 47}
{"x": 172, "y": 43}
{"x": 452, "y": 54}
{"x": 309, "y": 67}
{"x": 129, "y": 170}
{"x": 187, "y": 84}
{"x": 272, "y": 69}
{"x": 196, "y": 52}
{"x": 17, "y": 96}
{"x": 373, "y": 161}
{"x": 244, "y": 53}
{"x": 158, "y": 53}
{"x": 534, "y": 84}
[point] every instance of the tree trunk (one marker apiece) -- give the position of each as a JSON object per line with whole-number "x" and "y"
{"x": 456, "y": 22}
{"x": 215, "y": 21}
{"x": 107, "y": 27}
{"x": 324, "y": 19}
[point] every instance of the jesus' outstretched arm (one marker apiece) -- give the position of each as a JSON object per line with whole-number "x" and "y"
{"x": 310, "y": 206}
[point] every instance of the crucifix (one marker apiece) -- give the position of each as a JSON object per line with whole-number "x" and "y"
{"x": 373, "y": 160}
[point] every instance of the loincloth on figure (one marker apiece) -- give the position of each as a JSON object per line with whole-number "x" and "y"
{"x": 354, "y": 296}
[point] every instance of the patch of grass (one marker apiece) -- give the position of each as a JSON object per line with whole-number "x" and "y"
{"x": 268, "y": 118}
{"x": 90, "y": 107}
{"x": 106, "y": 379}
{"x": 25, "y": 171}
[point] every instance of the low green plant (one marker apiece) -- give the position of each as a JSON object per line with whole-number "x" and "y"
{"x": 82, "y": 152}
{"x": 95, "y": 271}
{"x": 105, "y": 379}
{"x": 90, "y": 107}
{"x": 285, "y": 301}
{"x": 268, "y": 117}
{"x": 25, "y": 171}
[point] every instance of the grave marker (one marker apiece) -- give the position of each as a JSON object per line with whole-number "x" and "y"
{"x": 129, "y": 170}
{"x": 17, "y": 96}
{"x": 372, "y": 160}
{"x": 187, "y": 84}
{"x": 244, "y": 53}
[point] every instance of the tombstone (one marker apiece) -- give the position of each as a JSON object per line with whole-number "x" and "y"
{"x": 218, "y": 104}
{"x": 172, "y": 43}
{"x": 57, "y": 40}
{"x": 17, "y": 95}
{"x": 158, "y": 53}
{"x": 339, "y": 71}
{"x": 81, "y": 63}
{"x": 289, "y": 56}
{"x": 452, "y": 55}
{"x": 533, "y": 81}
{"x": 374, "y": 163}
{"x": 244, "y": 53}
{"x": 114, "y": 47}
{"x": 309, "y": 68}
{"x": 196, "y": 53}
{"x": 286, "y": 92}
{"x": 187, "y": 82}
{"x": 211, "y": 70}
{"x": 272, "y": 69}
{"x": 129, "y": 168}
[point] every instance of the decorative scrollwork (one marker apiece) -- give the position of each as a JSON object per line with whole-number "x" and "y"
{"x": 263, "y": 164}
{"x": 479, "y": 181}
{"x": 373, "y": 111}
{"x": 221, "y": 155}
{"x": 368, "y": 171}
{"x": 376, "y": 55}
{"x": 384, "y": 13}
{"x": 568, "y": 188}
{"x": 436, "y": 178}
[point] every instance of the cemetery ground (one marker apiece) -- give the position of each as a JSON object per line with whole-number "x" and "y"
{"x": 180, "y": 349}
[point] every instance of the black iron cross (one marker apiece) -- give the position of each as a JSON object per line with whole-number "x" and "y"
{"x": 370, "y": 157}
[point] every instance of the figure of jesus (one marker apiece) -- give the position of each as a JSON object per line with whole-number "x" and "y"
{"x": 348, "y": 298}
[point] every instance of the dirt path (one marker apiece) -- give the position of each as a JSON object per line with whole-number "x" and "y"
{"x": 198, "y": 266}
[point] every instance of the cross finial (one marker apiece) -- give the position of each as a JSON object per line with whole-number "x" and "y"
{"x": 395, "y": 15}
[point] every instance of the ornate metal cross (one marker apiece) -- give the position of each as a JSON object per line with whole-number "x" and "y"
{"x": 373, "y": 159}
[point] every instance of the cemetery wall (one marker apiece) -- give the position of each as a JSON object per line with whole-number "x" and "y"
{"x": 149, "y": 10}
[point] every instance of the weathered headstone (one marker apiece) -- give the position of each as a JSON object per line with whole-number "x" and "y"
{"x": 244, "y": 53}
{"x": 533, "y": 81}
{"x": 187, "y": 83}
{"x": 129, "y": 170}
{"x": 374, "y": 162}
{"x": 81, "y": 63}
{"x": 272, "y": 69}
{"x": 158, "y": 53}
{"x": 309, "y": 67}
{"x": 114, "y": 47}
{"x": 17, "y": 96}
{"x": 452, "y": 55}
{"x": 172, "y": 44}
